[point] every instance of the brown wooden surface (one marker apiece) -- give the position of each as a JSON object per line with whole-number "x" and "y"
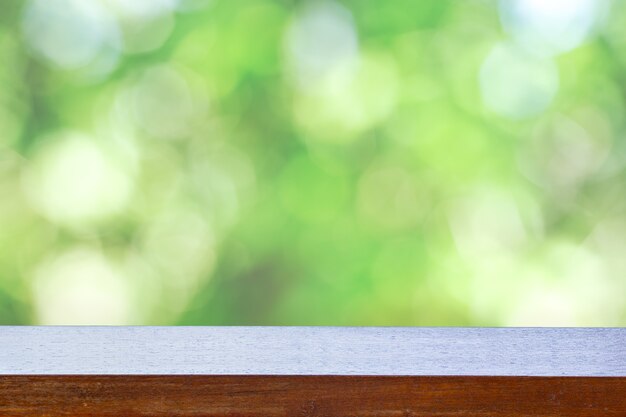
{"x": 308, "y": 396}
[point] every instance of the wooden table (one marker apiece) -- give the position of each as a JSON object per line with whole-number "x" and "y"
{"x": 312, "y": 371}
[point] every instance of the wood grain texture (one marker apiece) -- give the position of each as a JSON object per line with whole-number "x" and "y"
{"x": 410, "y": 351}
{"x": 309, "y": 396}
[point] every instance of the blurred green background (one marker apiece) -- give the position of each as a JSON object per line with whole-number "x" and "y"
{"x": 282, "y": 162}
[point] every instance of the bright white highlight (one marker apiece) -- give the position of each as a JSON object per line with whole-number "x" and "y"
{"x": 320, "y": 38}
{"x": 81, "y": 287}
{"x": 71, "y": 33}
{"x": 75, "y": 179}
{"x": 551, "y": 27}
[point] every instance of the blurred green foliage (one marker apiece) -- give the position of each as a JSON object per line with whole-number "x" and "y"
{"x": 276, "y": 162}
